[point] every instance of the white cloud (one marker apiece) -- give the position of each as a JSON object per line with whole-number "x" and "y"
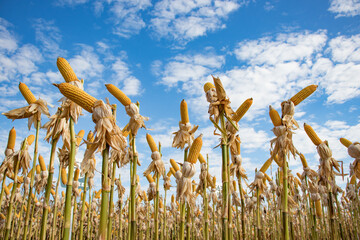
{"x": 70, "y": 2}
{"x": 345, "y": 49}
{"x": 8, "y": 41}
{"x": 49, "y": 36}
{"x": 184, "y": 20}
{"x": 345, "y": 8}
{"x": 123, "y": 76}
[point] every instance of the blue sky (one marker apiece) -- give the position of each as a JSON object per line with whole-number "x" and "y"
{"x": 160, "y": 52}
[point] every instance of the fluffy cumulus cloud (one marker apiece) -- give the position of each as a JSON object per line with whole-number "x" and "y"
{"x": 70, "y": 2}
{"x": 345, "y": 8}
{"x": 185, "y": 20}
{"x": 131, "y": 86}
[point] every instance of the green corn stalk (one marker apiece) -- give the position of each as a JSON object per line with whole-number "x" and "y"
{"x": 206, "y": 206}
{"x": 28, "y": 206}
{"x": 243, "y": 231}
{"x": 2, "y": 188}
{"x": 111, "y": 200}
{"x": 9, "y": 215}
{"x": 104, "y": 195}
{"x": 132, "y": 209}
{"x": 182, "y": 209}
{"x": 81, "y": 234}
{"x": 52, "y": 236}
{"x": 48, "y": 188}
{"x": 68, "y": 195}
{"x": 284, "y": 200}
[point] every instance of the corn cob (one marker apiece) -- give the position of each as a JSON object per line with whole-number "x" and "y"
{"x": 274, "y": 116}
{"x": 63, "y": 176}
{"x": 42, "y": 163}
{"x": 172, "y": 198}
{"x": 62, "y": 194}
{"x": 172, "y": 170}
{"x": 303, "y": 161}
{"x": 169, "y": 173}
{"x": 304, "y": 93}
{"x": 11, "y": 139}
{"x": 318, "y": 208}
{"x": 149, "y": 178}
{"x": 6, "y": 189}
{"x": 77, "y": 174}
{"x": 151, "y": 143}
{"x": 78, "y": 96}
{"x": 66, "y": 70}
{"x": 184, "y": 112}
{"x": 345, "y": 142}
{"x": 2, "y": 216}
{"x": 312, "y": 134}
{"x": 79, "y": 137}
{"x": 174, "y": 165}
{"x": 353, "y": 179}
{"x": 208, "y": 86}
{"x": 98, "y": 194}
{"x": 201, "y": 158}
{"x": 240, "y": 112}
{"x": 266, "y": 177}
{"x": 214, "y": 181}
{"x": 266, "y": 165}
{"x": 30, "y": 139}
{"x": 118, "y": 94}
{"x": 234, "y": 184}
{"x": 38, "y": 169}
{"x": 298, "y": 175}
{"x": 52, "y": 192}
{"x": 25, "y": 91}
{"x": 195, "y": 150}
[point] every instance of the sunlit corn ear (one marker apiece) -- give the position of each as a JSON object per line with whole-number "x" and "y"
{"x": 303, "y": 160}
{"x": 208, "y": 86}
{"x": 240, "y": 112}
{"x": 11, "y": 139}
{"x": 172, "y": 170}
{"x": 79, "y": 137}
{"x": 345, "y": 142}
{"x": 303, "y": 94}
{"x": 312, "y": 134}
{"x": 42, "y": 163}
{"x": 274, "y": 116}
{"x": 77, "y": 174}
{"x": 98, "y": 194}
{"x": 201, "y": 158}
{"x": 353, "y": 179}
{"x": 27, "y": 94}
{"x": 63, "y": 176}
{"x": 174, "y": 165}
{"x": 66, "y": 70}
{"x": 184, "y": 112}
{"x": 150, "y": 178}
{"x": 266, "y": 165}
{"x": 151, "y": 143}
{"x": 195, "y": 150}
{"x": 38, "y": 169}
{"x": 77, "y": 95}
{"x": 30, "y": 139}
{"x": 118, "y": 94}
{"x": 169, "y": 173}
{"x": 318, "y": 208}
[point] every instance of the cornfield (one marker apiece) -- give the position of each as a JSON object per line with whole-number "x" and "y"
{"x": 307, "y": 205}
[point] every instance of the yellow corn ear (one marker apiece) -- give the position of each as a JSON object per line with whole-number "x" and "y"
{"x": 174, "y": 165}
{"x": 234, "y": 184}
{"x": 240, "y": 112}
{"x": 2, "y": 216}
{"x": 151, "y": 143}
{"x": 98, "y": 194}
{"x": 274, "y": 116}
{"x": 118, "y": 94}
{"x": 11, "y": 139}
{"x": 266, "y": 165}
{"x": 6, "y": 189}
{"x": 303, "y": 161}
{"x": 77, "y": 174}
{"x": 63, "y": 176}
{"x": 195, "y": 150}
{"x": 214, "y": 181}
{"x": 318, "y": 208}
{"x": 87, "y": 204}
{"x": 161, "y": 205}
{"x": 90, "y": 137}
{"x": 145, "y": 196}
{"x": 345, "y": 142}
{"x": 30, "y": 139}
{"x": 149, "y": 178}
{"x": 353, "y": 179}
{"x": 52, "y": 192}
{"x": 201, "y": 158}
{"x": 79, "y": 137}
{"x": 208, "y": 86}
{"x": 66, "y": 70}
{"x": 299, "y": 175}
{"x": 78, "y": 96}
{"x": 25, "y": 91}
{"x": 42, "y": 163}
{"x": 304, "y": 93}
{"x": 172, "y": 198}
{"x": 184, "y": 112}
{"x": 169, "y": 173}
{"x": 62, "y": 194}
{"x": 38, "y": 169}
{"x": 172, "y": 170}
{"x": 312, "y": 134}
